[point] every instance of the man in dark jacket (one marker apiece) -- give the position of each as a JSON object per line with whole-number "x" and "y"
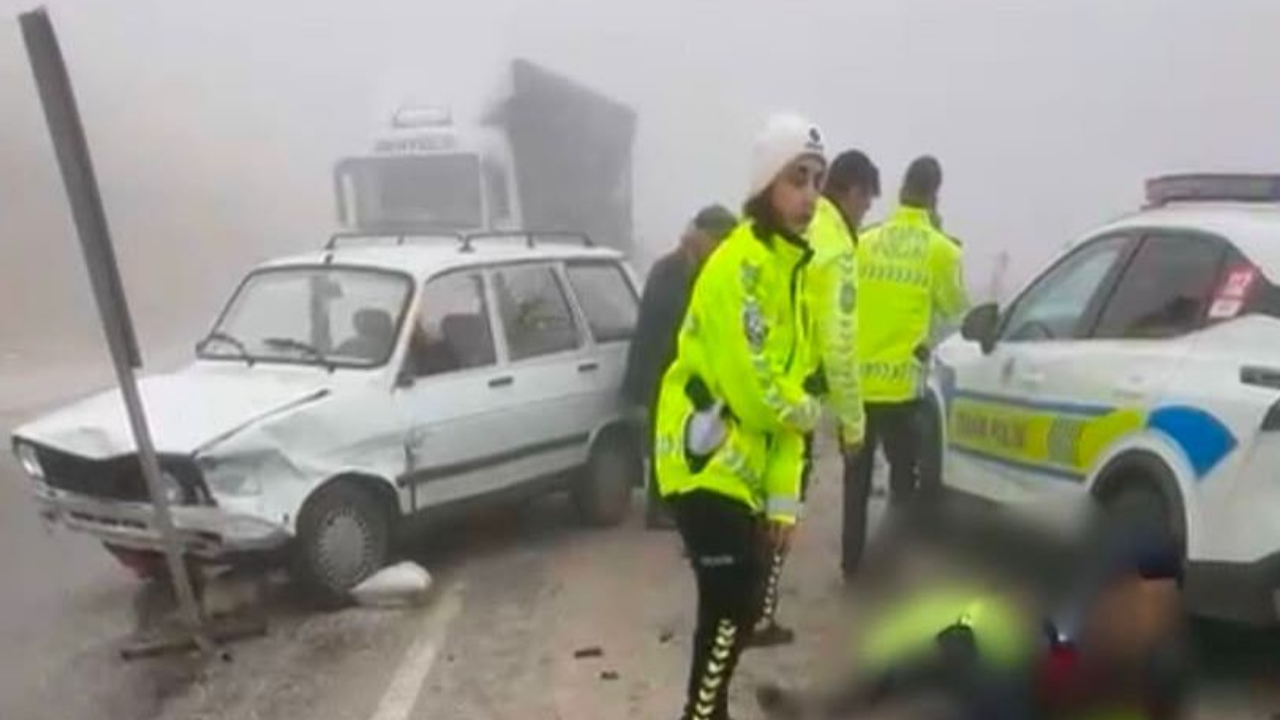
{"x": 662, "y": 308}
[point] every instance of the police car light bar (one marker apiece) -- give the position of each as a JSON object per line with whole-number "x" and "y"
{"x": 1209, "y": 187}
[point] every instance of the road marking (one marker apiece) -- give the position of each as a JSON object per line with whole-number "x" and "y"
{"x": 402, "y": 694}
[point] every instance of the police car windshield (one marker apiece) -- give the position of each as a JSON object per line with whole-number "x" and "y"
{"x": 320, "y": 316}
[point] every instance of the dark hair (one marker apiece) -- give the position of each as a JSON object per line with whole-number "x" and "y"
{"x": 764, "y": 220}
{"x": 715, "y": 220}
{"x": 922, "y": 182}
{"x": 851, "y": 169}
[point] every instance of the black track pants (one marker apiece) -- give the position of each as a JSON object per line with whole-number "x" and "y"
{"x": 723, "y": 538}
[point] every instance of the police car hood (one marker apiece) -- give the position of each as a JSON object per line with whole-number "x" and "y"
{"x": 186, "y": 411}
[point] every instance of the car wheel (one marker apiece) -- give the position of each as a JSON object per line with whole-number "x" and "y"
{"x": 602, "y": 495}
{"x": 344, "y": 536}
{"x": 1139, "y": 516}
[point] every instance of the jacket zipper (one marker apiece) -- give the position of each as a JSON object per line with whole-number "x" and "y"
{"x": 795, "y": 332}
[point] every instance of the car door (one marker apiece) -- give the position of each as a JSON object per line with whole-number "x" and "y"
{"x": 447, "y": 395}
{"x": 1001, "y": 406}
{"x": 1115, "y": 374}
{"x": 546, "y": 359}
{"x": 608, "y": 305}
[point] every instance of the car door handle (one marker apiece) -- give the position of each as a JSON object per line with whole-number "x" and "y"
{"x": 503, "y": 381}
{"x": 587, "y": 367}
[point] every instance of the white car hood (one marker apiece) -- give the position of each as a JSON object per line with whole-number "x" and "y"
{"x": 186, "y": 411}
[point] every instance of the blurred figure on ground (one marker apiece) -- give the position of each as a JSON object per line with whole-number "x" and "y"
{"x": 733, "y": 409}
{"x": 662, "y": 307}
{"x": 1081, "y": 626}
{"x": 909, "y": 281}
{"x": 851, "y": 186}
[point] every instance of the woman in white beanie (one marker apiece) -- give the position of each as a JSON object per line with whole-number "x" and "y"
{"x": 736, "y": 404}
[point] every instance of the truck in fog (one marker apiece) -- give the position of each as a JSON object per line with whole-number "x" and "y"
{"x": 552, "y": 155}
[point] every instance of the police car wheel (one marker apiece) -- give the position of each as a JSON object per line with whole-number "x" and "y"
{"x": 602, "y": 494}
{"x": 344, "y": 536}
{"x": 1139, "y": 515}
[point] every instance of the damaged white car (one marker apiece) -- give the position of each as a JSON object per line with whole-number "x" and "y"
{"x": 343, "y": 393}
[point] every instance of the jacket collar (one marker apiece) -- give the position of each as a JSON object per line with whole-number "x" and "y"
{"x": 828, "y": 209}
{"x": 908, "y": 215}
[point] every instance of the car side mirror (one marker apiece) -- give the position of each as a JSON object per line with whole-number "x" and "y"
{"x": 980, "y": 326}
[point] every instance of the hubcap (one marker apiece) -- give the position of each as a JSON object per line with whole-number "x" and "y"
{"x": 344, "y": 548}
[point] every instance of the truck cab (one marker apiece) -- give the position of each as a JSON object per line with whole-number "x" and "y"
{"x": 426, "y": 174}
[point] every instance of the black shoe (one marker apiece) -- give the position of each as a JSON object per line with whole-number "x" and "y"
{"x": 771, "y": 635}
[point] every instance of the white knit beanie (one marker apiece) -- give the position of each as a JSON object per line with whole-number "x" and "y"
{"x": 786, "y": 137}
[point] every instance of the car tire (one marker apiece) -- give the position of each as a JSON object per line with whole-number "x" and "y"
{"x": 602, "y": 494}
{"x": 344, "y": 536}
{"x": 1139, "y": 516}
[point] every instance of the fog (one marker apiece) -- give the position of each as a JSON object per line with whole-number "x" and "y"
{"x": 214, "y": 126}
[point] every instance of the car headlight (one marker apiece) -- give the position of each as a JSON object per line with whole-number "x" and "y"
{"x": 173, "y": 489}
{"x": 29, "y": 459}
{"x": 233, "y": 479}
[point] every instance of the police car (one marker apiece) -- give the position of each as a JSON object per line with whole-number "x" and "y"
{"x": 1141, "y": 369}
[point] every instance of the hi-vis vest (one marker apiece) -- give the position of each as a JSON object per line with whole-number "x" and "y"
{"x": 833, "y": 296}
{"x": 909, "y": 274}
{"x": 746, "y": 339}
{"x": 909, "y": 629}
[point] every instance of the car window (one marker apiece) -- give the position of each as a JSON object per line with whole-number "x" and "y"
{"x": 536, "y": 319}
{"x": 606, "y": 298}
{"x": 334, "y": 316}
{"x": 1053, "y": 307}
{"x": 452, "y": 330}
{"x": 1164, "y": 290}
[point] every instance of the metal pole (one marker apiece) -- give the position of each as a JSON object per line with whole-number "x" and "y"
{"x": 72, "y": 149}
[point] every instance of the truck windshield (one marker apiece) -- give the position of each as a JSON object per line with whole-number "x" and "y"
{"x": 324, "y": 316}
{"x": 438, "y": 191}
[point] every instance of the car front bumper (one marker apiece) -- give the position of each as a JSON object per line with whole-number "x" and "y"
{"x": 1247, "y": 592}
{"x": 205, "y": 532}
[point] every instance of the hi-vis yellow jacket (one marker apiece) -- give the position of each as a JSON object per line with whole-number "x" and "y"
{"x": 909, "y": 275}
{"x": 833, "y": 296}
{"x": 746, "y": 337}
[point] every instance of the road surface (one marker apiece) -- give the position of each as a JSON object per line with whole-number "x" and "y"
{"x": 519, "y": 591}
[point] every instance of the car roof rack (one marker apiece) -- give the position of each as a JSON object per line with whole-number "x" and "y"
{"x": 1208, "y": 187}
{"x": 341, "y": 239}
{"x": 530, "y": 237}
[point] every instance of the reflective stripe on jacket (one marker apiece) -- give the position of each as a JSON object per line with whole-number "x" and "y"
{"x": 909, "y": 277}
{"x": 833, "y": 296}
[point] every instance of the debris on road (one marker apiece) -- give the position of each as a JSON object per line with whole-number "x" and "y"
{"x": 609, "y": 675}
{"x": 403, "y": 584}
{"x": 588, "y": 652}
{"x": 666, "y": 636}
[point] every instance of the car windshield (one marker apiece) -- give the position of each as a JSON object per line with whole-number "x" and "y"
{"x": 440, "y": 191}
{"x": 325, "y": 316}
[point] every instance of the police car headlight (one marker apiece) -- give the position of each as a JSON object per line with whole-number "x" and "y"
{"x": 29, "y": 459}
